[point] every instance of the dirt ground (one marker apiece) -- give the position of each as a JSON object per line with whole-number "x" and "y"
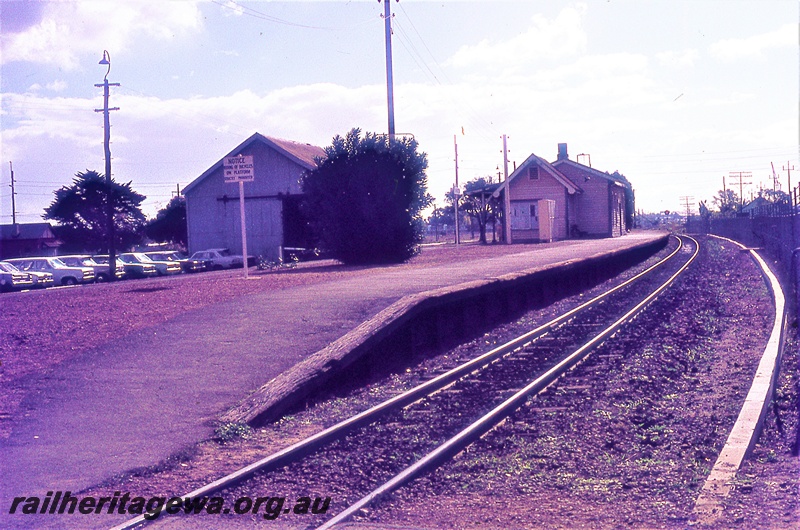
{"x": 42, "y": 329}
{"x": 631, "y": 453}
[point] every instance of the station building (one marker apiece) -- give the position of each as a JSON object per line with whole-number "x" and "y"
{"x": 566, "y": 199}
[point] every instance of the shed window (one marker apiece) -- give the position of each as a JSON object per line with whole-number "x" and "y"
{"x": 533, "y": 172}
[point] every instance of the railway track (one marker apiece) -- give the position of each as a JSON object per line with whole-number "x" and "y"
{"x": 417, "y": 430}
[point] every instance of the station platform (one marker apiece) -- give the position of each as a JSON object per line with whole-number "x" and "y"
{"x": 154, "y": 393}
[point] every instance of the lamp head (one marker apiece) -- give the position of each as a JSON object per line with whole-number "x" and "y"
{"x": 106, "y": 60}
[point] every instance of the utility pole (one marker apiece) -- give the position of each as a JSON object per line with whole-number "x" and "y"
{"x": 13, "y": 203}
{"x": 112, "y": 265}
{"x": 387, "y": 21}
{"x": 507, "y": 191}
{"x": 741, "y": 175}
{"x": 789, "y": 168}
{"x": 456, "y": 189}
{"x": 687, "y": 205}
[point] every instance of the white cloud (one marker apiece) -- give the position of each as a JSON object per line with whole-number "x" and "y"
{"x": 69, "y": 30}
{"x": 545, "y": 40}
{"x": 681, "y": 59}
{"x": 57, "y": 85}
{"x": 753, "y": 47}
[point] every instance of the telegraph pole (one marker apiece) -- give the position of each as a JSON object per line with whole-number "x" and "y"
{"x": 13, "y": 203}
{"x": 456, "y": 189}
{"x": 112, "y": 265}
{"x": 687, "y": 200}
{"x": 789, "y": 168}
{"x": 506, "y": 190}
{"x": 741, "y": 175}
{"x": 387, "y": 21}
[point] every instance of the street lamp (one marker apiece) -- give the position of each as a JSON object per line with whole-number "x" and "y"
{"x": 112, "y": 265}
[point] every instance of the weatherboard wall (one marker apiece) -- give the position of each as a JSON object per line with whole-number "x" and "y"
{"x": 212, "y": 205}
{"x": 525, "y": 191}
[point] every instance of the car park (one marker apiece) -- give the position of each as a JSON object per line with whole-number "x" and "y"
{"x": 221, "y": 258}
{"x": 132, "y": 269}
{"x": 62, "y": 273}
{"x": 101, "y": 272}
{"x": 13, "y": 279}
{"x": 187, "y": 264}
{"x": 164, "y": 268}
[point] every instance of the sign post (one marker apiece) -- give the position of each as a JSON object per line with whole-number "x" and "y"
{"x": 240, "y": 169}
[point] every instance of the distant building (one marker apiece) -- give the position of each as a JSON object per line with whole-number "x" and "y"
{"x": 272, "y": 200}
{"x": 23, "y": 240}
{"x": 565, "y": 200}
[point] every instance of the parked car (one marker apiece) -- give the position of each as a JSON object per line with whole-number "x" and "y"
{"x": 221, "y": 258}
{"x": 100, "y": 269}
{"x": 132, "y": 270}
{"x": 188, "y": 265}
{"x": 41, "y": 280}
{"x": 62, "y": 273}
{"x": 164, "y": 268}
{"x": 13, "y": 279}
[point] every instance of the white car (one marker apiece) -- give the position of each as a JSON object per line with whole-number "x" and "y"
{"x": 164, "y": 268}
{"x": 100, "y": 270}
{"x": 221, "y": 258}
{"x": 12, "y": 279}
{"x": 41, "y": 280}
{"x": 62, "y": 273}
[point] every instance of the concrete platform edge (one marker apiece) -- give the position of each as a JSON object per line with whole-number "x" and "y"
{"x": 747, "y": 428}
{"x": 295, "y": 385}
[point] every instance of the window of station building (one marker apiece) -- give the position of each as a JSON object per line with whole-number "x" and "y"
{"x": 533, "y": 172}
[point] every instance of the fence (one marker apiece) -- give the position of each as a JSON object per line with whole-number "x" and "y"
{"x": 774, "y": 227}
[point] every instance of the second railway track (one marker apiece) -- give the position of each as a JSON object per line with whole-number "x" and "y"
{"x": 409, "y": 434}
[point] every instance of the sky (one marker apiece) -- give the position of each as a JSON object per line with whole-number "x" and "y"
{"x": 677, "y": 95}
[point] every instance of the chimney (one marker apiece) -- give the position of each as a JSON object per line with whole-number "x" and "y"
{"x": 562, "y": 152}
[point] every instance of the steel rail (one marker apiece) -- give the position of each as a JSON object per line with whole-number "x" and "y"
{"x": 481, "y": 426}
{"x": 299, "y": 449}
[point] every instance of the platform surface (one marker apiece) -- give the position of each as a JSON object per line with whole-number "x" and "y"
{"x": 131, "y": 404}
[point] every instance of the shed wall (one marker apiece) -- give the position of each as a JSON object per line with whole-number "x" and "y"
{"x": 212, "y": 205}
{"x": 593, "y": 217}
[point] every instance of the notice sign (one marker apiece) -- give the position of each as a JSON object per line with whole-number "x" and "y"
{"x": 238, "y": 169}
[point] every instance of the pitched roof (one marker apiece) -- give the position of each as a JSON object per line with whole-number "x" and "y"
{"x": 22, "y": 231}
{"x": 550, "y": 168}
{"x": 303, "y": 154}
{"x": 591, "y": 171}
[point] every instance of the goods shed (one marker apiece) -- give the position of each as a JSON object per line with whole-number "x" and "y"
{"x": 271, "y": 200}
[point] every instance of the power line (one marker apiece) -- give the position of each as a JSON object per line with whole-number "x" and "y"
{"x": 249, "y": 11}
